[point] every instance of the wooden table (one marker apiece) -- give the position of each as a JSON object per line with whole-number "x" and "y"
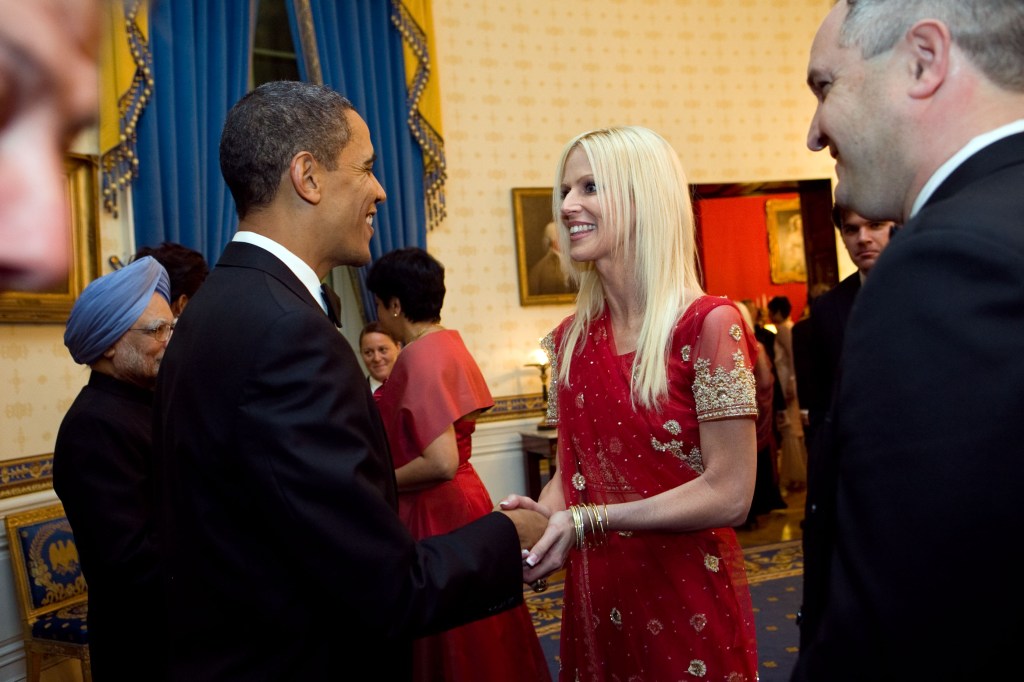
{"x": 540, "y": 447}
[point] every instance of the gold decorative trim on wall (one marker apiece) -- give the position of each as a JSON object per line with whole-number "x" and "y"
{"x": 26, "y": 475}
{"x": 514, "y": 407}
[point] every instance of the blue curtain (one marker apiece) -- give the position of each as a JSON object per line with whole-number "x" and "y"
{"x": 360, "y": 55}
{"x": 201, "y": 53}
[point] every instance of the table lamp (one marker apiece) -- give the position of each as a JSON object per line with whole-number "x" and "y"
{"x": 540, "y": 361}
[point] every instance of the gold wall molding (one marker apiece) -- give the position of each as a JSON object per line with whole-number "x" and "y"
{"x": 514, "y": 407}
{"x": 26, "y": 475}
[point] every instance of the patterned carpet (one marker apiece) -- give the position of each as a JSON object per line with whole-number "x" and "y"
{"x": 775, "y": 573}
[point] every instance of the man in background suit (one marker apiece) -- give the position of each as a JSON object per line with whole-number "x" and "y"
{"x": 818, "y": 338}
{"x": 909, "y": 570}
{"x": 102, "y": 459}
{"x": 285, "y": 556}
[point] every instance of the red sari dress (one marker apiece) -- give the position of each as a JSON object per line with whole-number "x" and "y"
{"x": 649, "y": 605}
{"x": 436, "y": 383}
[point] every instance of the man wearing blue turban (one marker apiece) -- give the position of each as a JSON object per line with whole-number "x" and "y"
{"x": 120, "y": 327}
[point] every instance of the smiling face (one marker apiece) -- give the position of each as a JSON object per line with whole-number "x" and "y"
{"x": 590, "y": 236}
{"x": 855, "y": 121}
{"x": 48, "y": 93}
{"x": 379, "y": 353}
{"x": 352, "y": 193}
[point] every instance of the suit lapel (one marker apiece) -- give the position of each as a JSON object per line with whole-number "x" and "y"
{"x": 243, "y": 255}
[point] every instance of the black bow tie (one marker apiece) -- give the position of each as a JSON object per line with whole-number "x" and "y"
{"x": 333, "y": 304}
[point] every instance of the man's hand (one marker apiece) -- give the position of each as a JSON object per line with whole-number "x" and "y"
{"x": 530, "y": 525}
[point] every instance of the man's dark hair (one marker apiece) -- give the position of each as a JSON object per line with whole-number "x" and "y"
{"x": 412, "y": 276}
{"x": 268, "y": 127}
{"x": 781, "y": 305}
{"x": 186, "y": 268}
{"x": 838, "y": 213}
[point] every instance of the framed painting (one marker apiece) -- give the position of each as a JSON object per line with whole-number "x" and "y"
{"x": 54, "y": 304}
{"x": 541, "y": 280}
{"x": 785, "y": 241}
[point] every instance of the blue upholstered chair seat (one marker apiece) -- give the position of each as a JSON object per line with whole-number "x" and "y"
{"x": 52, "y": 592}
{"x": 64, "y": 625}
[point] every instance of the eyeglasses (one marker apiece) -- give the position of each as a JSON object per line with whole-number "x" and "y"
{"x": 160, "y": 332}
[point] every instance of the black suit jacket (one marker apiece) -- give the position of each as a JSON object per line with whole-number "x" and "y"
{"x": 101, "y": 472}
{"x": 285, "y": 558}
{"x": 912, "y": 552}
{"x": 817, "y": 342}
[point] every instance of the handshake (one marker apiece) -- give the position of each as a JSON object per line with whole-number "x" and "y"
{"x": 545, "y": 537}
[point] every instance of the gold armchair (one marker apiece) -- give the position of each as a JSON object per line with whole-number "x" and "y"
{"x": 51, "y": 590}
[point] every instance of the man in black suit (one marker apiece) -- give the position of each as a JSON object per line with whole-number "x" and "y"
{"x": 818, "y": 338}
{"x": 285, "y": 558}
{"x": 119, "y": 327}
{"x": 910, "y": 545}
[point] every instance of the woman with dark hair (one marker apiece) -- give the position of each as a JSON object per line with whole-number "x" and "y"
{"x": 186, "y": 267}
{"x": 379, "y": 349}
{"x": 429, "y": 406}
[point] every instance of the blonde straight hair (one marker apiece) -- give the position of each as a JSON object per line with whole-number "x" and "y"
{"x": 645, "y": 201}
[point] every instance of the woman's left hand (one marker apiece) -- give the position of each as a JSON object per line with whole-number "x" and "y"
{"x": 551, "y": 551}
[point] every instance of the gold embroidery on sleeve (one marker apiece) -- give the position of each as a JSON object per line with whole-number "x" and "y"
{"x": 724, "y": 393}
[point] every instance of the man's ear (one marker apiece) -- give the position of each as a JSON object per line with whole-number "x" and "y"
{"x": 928, "y": 44}
{"x": 178, "y": 305}
{"x": 304, "y": 175}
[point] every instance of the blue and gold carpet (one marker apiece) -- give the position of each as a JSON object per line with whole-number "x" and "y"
{"x": 775, "y": 573}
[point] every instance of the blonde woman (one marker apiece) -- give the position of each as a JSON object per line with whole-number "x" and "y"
{"x": 655, "y": 400}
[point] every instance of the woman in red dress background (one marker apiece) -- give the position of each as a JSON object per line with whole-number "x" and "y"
{"x": 429, "y": 405}
{"x": 655, "y": 402}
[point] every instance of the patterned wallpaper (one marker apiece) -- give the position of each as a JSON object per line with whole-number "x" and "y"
{"x": 723, "y": 80}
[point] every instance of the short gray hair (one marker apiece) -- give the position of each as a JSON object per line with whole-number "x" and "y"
{"x": 990, "y": 32}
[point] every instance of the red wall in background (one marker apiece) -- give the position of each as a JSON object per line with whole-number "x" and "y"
{"x": 735, "y": 251}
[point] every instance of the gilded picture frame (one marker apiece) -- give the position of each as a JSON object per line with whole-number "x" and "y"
{"x": 785, "y": 241}
{"x": 54, "y": 305}
{"x": 540, "y": 280}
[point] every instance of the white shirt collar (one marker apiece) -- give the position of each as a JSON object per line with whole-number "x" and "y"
{"x": 299, "y": 267}
{"x": 969, "y": 150}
